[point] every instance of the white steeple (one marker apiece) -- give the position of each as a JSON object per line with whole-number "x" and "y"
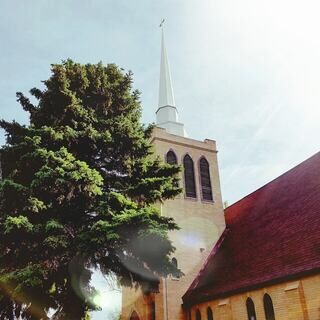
{"x": 167, "y": 114}
{"x": 166, "y": 97}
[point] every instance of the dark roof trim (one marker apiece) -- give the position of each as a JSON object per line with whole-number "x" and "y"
{"x": 189, "y": 301}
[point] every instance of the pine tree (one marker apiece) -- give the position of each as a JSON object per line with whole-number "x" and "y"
{"x": 79, "y": 191}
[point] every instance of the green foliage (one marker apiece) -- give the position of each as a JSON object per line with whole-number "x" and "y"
{"x": 79, "y": 189}
{"x": 29, "y": 277}
{"x": 17, "y": 223}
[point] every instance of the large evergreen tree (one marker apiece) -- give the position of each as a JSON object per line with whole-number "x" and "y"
{"x": 78, "y": 191}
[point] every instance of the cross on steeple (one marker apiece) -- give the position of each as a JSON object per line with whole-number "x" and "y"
{"x": 161, "y": 23}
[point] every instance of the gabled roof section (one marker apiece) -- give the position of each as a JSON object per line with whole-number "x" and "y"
{"x": 274, "y": 235}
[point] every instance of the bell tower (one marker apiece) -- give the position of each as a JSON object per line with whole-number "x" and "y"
{"x": 198, "y": 211}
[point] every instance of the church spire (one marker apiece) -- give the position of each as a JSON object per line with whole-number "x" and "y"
{"x": 167, "y": 114}
{"x": 166, "y": 97}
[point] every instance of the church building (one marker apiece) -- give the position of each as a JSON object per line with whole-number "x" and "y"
{"x": 257, "y": 259}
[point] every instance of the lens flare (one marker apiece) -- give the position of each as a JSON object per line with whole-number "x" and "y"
{"x": 109, "y": 296}
{"x": 34, "y": 310}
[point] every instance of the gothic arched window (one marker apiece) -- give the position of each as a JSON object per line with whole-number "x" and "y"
{"x": 153, "y": 311}
{"x": 251, "y": 310}
{"x": 134, "y": 316}
{"x": 209, "y": 314}
{"x": 268, "y": 307}
{"x": 171, "y": 157}
{"x": 175, "y": 262}
{"x": 190, "y": 183}
{"x": 198, "y": 315}
{"x": 205, "y": 180}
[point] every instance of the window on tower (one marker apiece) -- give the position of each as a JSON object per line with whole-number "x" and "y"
{"x": 205, "y": 180}
{"x": 175, "y": 262}
{"x": 189, "y": 179}
{"x": 171, "y": 157}
{"x": 209, "y": 314}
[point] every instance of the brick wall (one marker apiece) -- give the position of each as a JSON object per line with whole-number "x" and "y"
{"x": 294, "y": 300}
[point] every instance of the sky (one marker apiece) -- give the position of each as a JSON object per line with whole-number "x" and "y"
{"x": 245, "y": 73}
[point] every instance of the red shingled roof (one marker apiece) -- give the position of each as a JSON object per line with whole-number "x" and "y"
{"x": 273, "y": 234}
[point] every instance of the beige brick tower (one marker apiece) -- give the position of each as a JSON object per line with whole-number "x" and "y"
{"x": 198, "y": 210}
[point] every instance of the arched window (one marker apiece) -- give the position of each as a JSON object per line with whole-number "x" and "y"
{"x": 189, "y": 179}
{"x": 198, "y": 315}
{"x": 174, "y": 262}
{"x": 134, "y": 316}
{"x": 209, "y": 314}
{"x": 251, "y": 310}
{"x": 268, "y": 307}
{"x": 153, "y": 311}
{"x": 205, "y": 180}
{"x": 171, "y": 158}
